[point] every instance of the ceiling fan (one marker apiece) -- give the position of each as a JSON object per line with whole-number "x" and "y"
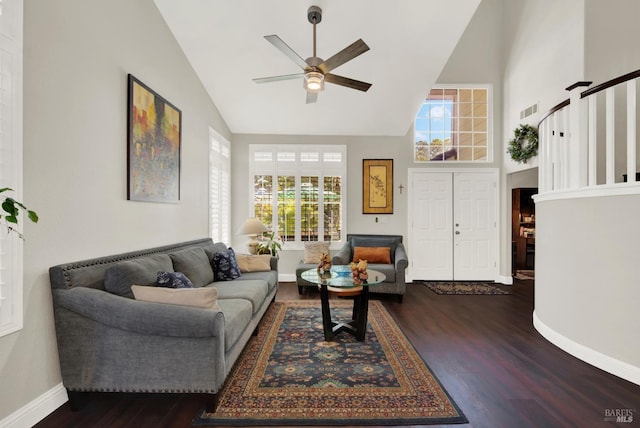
{"x": 316, "y": 70}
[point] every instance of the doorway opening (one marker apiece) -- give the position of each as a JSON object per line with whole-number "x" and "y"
{"x": 523, "y": 232}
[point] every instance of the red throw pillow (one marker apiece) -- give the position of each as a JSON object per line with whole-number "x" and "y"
{"x": 380, "y": 255}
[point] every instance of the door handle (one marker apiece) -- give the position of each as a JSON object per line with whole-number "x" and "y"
{"x": 457, "y": 232}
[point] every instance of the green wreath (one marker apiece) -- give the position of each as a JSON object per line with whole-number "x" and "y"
{"x": 519, "y": 151}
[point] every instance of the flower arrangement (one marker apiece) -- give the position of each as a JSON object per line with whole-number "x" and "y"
{"x": 359, "y": 272}
{"x": 325, "y": 263}
{"x": 271, "y": 245}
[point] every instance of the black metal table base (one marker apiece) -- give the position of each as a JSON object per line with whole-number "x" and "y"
{"x": 357, "y": 326}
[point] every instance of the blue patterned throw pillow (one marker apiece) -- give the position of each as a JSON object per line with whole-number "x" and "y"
{"x": 173, "y": 280}
{"x": 225, "y": 265}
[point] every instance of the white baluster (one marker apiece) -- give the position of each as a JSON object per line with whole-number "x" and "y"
{"x": 593, "y": 139}
{"x": 577, "y": 137}
{"x": 610, "y": 132}
{"x": 565, "y": 141}
{"x": 631, "y": 131}
{"x": 543, "y": 159}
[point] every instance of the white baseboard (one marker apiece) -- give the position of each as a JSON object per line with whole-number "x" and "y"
{"x": 287, "y": 277}
{"x": 506, "y": 280}
{"x": 608, "y": 364}
{"x": 35, "y": 411}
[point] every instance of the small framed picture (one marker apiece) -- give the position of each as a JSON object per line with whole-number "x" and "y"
{"x": 377, "y": 186}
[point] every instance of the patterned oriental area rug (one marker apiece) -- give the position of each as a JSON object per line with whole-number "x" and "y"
{"x": 453, "y": 287}
{"x": 288, "y": 375}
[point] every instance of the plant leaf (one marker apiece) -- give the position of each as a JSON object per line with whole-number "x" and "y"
{"x": 33, "y": 216}
{"x": 20, "y": 204}
{"x": 9, "y": 206}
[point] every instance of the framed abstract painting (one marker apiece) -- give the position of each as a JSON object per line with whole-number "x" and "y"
{"x": 377, "y": 186}
{"x": 153, "y": 146}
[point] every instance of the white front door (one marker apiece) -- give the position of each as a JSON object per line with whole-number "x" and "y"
{"x": 453, "y": 225}
{"x": 474, "y": 225}
{"x": 431, "y": 246}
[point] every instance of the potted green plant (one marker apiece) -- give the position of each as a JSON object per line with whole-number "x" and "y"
{"x": 12, "y": 209}
{"x": 270, "y": 244}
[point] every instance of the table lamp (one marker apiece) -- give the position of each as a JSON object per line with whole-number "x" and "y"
{"x": 252, "y": 227}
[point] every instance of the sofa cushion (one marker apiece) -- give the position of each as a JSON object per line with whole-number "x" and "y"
{"x": 225, "y": 265}
{"x": 255, "y": 291}
{"x": 271, "y": 277}
{"x": 237, "y": 315}
{"x": 173, "y": 280}
{"x": 215, "y": 248}
{"x": 372, "y": 254}
{"x": 313, "y": 251}
{"x": 250, "y": 263}
{"x": 119, "y": 278}
{"x": 203, "y": 297}
{"x": 194, "y": 263}
{"x": 375, "y": 241}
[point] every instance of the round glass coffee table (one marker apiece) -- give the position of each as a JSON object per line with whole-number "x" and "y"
{"x": 339, "y": 281}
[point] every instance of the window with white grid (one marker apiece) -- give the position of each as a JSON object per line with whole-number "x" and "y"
{"x": 10, "y": 160}
{"x": 219, "y": 188}
{"x": 297, "y": 191}
{"x": 453, "y": 125}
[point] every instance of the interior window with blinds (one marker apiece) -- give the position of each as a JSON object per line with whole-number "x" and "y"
{"x": 297, "y": 190}
{"x": 219, "y": 188}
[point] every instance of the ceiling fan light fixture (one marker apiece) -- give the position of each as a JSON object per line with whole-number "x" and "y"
{"x": 314, "y": 81}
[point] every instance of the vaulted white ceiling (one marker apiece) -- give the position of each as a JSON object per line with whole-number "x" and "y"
{"x": 410, "y": 42}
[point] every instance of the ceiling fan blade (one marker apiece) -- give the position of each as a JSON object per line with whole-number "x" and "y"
{"x": 353, "y": 50}
{"x": 285, "y": 49}
{"x": 345, "y": 81}
{"x": 278, "y": 78}
{"x": 312, "y": 97}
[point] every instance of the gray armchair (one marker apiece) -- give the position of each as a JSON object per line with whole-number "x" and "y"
{"x": 395, "y": 271}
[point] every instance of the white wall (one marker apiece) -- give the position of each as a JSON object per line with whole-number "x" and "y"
{"x": 544, "y": 53}
{"x": 610, "y": 24}
{"x": 587, "y": 276}
{"x": 77, "y": 56}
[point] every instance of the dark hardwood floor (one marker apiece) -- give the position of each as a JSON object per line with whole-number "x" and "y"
{"x": 484, "y": 350}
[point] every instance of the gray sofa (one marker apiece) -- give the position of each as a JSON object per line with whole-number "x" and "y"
{"x": 394, "y": 272}
{"x": 110, "y": 342}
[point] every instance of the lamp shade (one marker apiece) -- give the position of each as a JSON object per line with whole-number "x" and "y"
{"x": 252, "y": 226}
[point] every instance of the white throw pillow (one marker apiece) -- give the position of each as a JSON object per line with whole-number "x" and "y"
{"x": 313, "y": 251}
{"x": 251, "y": 263}
{"x": 203, "y": 297}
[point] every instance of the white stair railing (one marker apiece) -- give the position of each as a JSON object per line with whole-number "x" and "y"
{"x": 578, "y": 137}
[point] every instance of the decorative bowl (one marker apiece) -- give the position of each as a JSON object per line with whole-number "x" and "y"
{"x": 342, "y": 271}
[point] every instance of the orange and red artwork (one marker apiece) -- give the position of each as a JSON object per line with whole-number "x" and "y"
{"x": 153, "y": 146}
